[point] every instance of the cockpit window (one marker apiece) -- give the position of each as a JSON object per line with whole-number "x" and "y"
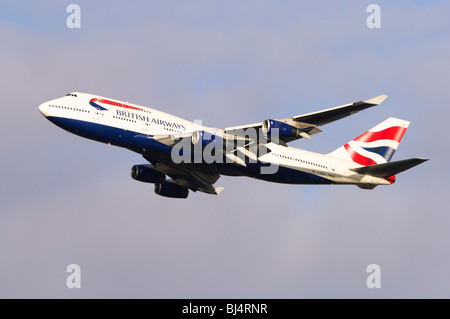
{"x": 70, "y": 94}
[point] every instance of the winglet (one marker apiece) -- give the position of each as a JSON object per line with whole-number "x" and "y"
{"x": 376, "y": 100}
{"x": 218, "y": 190}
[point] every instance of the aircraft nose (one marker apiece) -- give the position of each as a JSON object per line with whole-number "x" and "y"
{"x": 43, "y": 109}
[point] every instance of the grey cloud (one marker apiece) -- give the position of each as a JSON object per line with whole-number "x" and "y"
{"x": 68, "y": 200}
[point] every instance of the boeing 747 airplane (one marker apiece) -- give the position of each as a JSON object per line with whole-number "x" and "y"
{"x": 194, "y": 156}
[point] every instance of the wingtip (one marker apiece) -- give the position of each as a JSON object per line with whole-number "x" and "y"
{"x": 377, "y": 100}
{"x": 218, "y": 190}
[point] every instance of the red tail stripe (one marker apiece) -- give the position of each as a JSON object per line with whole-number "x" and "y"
{"x": 394, "y": 133}
{"x": 358, "y": 158}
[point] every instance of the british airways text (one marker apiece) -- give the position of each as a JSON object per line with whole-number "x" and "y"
{"x": 149, "y": 119}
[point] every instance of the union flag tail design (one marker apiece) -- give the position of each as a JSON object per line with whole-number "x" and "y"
{"x": 376, "y": 146}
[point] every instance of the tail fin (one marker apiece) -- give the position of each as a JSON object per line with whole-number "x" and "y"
{"x": 376, "y": 146}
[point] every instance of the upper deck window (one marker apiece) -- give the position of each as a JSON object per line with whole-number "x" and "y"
{"x": 71, "y": 94}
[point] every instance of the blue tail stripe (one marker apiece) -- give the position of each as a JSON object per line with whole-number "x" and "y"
{"x": 385, "y": 151}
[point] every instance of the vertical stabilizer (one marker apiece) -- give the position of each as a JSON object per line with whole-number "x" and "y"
{"x": 376, "y": 146}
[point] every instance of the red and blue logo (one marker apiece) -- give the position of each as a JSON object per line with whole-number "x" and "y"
{"x": 373, "y": 148}
{"x": 94, "y": 103}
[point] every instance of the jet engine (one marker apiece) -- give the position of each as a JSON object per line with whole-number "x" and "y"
{"x": 147, "y": 174}
{"x": 203, "y": 137}
{"x": 284, "y": 129}
{"x": 170, "y": 189}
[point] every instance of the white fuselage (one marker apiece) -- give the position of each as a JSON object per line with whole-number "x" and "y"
{"x": 118, "y": 123}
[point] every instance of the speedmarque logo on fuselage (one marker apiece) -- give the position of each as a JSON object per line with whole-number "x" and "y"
{"x": 132, "y": 115}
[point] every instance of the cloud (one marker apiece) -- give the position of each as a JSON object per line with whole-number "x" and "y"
{"x": 69, "y": 200}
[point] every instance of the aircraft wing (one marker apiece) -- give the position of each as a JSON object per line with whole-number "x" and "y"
{"x": 193, "y": 179}
{"x": 309, "y": 121}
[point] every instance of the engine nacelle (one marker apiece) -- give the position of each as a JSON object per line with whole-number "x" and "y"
{"x": 170, "y": 189}
{"x": 284, "y": 129}
{"x": 147, "y": 174}
{"x": 202, "y": 137}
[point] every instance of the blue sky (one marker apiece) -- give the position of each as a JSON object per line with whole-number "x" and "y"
{"x": 69, "y": 200}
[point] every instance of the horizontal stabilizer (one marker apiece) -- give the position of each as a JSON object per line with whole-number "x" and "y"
{"x": 389, "y": 169}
